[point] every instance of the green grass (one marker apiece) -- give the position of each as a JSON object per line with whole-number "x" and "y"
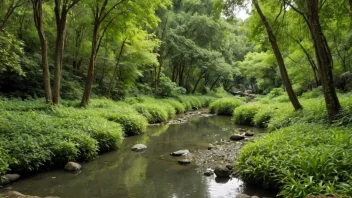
{"x": 225, "y": 106}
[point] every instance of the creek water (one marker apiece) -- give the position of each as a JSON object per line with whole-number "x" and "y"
{"x": 153, "y": 173}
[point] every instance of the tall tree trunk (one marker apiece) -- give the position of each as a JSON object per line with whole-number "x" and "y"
{"x": 59, "y": 47}
{"x": 291, "y": 94}
{"x": 61, "y": 12}
{"x": 38, "y": 20}
{"x": 324, "y": 58}
{"x": 93, "y": 55}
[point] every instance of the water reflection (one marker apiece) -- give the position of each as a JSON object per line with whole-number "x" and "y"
{"x": 153, "y": 173}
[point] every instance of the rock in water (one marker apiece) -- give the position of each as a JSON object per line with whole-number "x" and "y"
{"x": 15, "y": 194}
{"x": 139, "y": 147}
{"x": 210, "y": 146}
{"x": 222, "y": 171}
{"x": 184, "y": 161}
{"x": 237, "y": 137}
{"x": 243, "y": 196}
{"x": 180, "y": 152}
{"x": 248, "y": 133}
{"x": 72, "y": 166}
{"x": 209, "y": 173}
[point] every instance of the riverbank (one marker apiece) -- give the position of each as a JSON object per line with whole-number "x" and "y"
{"x": 303, "y": 155}
{"x": 152, "y": 173}
{"x": 36, "y": 136}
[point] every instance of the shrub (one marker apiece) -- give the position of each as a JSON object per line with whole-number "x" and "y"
{"x": 224, "y": 106}
{"x": 275, "y": 93}
{"x": 263, "y": 116}
{"x": 132, "y": 124}
{"x": 63, "y": 152}
{"x": 175, "y": 104}
{"x": 300, "y": 160}
{"x": 281, "y": 99}
{"x": 244, "y": 114}
{"x": 315, "y": 93}
{"x": 153, "y": 113}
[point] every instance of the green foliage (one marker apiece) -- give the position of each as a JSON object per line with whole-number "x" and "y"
{"x": 178, "y": 106}
{"x": 244, "y": 114}
{"x": 153, "y": 112}
{"x": 10, "y": 53}
{"x": 301, "y": 160}
{"x": 315, "y": 93}
{"x": 225, "y": 106}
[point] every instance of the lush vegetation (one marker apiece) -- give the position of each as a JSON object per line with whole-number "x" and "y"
{"x": 225, "y": 106}
{"x": 304, "y": 154}
{"x": 35, "y": 135}
{"x": 150, "y": 60}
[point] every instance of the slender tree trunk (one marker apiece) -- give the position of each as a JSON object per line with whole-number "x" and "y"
{"x": 116, "y": 68}
{"x": 157, "y": 80}
{"x": 59, "y": 47}
{"x": 200, "y": 78}
{"x": 350, "y": 3}
{"x": 38, "y": 19}
{"x": 324, "y": 58}
{"x": 291, "y": 94}
{"x": 213, "y": 85}
{"x": 93, "y": 55}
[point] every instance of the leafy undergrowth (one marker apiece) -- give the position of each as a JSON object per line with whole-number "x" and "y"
{"x": 300, "y": 160}
{"x": 225, "y": 106}
{"x": 34, "y": 135}
{"x": 303, "y": 155}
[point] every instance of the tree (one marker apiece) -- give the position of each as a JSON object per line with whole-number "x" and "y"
{"x": 38, "y": 20}
{"x": 291, "y": 94}
{"x": 322, "y": 52}
{"x": 61, "y": 10}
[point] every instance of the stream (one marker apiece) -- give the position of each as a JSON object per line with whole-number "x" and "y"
{"x": 153, "y": 173}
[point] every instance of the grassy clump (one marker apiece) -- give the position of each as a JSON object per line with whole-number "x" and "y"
{"x": 153, "y": 112}
{"x": 300, "y": 160}
{"x": 224, "y": 106}
{"x": 244, "y": 114}
{"x": 314, "y": 93}
{"x": 194, "y": 102}
{"x": 178, "y": 106}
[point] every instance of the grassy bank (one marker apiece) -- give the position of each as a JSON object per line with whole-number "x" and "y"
{"x": 34, "y": 135}
{"x": 303, "y": 154}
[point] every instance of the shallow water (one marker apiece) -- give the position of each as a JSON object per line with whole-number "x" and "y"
{"x": 153, "y": 173}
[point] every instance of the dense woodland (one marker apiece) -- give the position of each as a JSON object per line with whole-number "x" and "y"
{"x": 148, "y": 60}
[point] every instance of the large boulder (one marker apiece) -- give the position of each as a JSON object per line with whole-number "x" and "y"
{"x": 237, "y": 137}
{"x": 72, "y": 166}
{"x": 222, "y": 171}
{"x": 180, "y": 152}
{"x": 139, "y": 147}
